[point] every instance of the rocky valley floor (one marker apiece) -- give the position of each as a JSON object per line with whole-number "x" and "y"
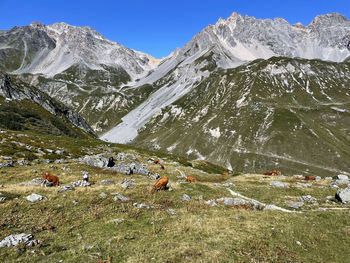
{"x": 219, "y": 218}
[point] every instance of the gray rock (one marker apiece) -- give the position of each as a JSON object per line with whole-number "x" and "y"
{"x": 304, "y": 184}
{"x": 328, "y": 178}
{"x": 127, "y": 183}
{"x": 66, "y": 188}
{"x": 107, "y": 182}
{"x": 116, "y": 220}
{"x": 95, "y": 160}
{"x": 123, "y": 156}
{"x": 75, "y": 202}
{"x": 308, "y": 199}
{"x": 80, "y": 183}
{"x": 339, "y": 182}
{"x": 342, "y": 177}
{"x": 185, "y": 197}
{"x": 228, "y": 184}
{"x": 318, "y": 178}
{"x": 23, "y": 162}
{"x": 133, "y": 168}
{"x": 14, "y": 240}
{"x": 103, "y": 195}
{"x": 60, "y": 152}
{"x": 232, "y": 201}
{"x": 343, "y": 195}
{"x": 119, "y": 197}
{"x": 7, "y": 164}
{"x": 35, "y": 197}
{"x": 36, "y": 181}
{"x": 142, "y": 206}
{"x": 171, "y": 211}
{"x": 295, "y": 205}
{"x": 211, "y": 203}
{"x": 278, "y": 184}
{"x": 61, "y": 161}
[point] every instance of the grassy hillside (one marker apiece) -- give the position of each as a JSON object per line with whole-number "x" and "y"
{"x": 87, "y": 225}
{"x": 281, "y": 113}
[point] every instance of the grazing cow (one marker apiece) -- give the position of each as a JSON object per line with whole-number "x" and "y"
{"x": 155, "y": 161}
{"x": 225, "y": 173}
{"x": 161, "y": 166}
{"x": 50, "y": 179}
{"x": 111, "y": 162}
{"x": 268, "y": 173}
{"x": 310, "y": 178}
{"x": 190, "y": 179}
{"x": 276, "y": 172}
{"x": 161, "y": 184}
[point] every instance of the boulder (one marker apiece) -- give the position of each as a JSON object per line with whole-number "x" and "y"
{"x": 278, "y": 184}
{"x": 127, "y": 183}
{"x": 232, "y": 201}
{"x": 339, "y": 182}
{"x": 308, "y": 199}
{"x": 14, "y": 240}
{"x": 80, "y": 183}
{"x": 185, "y": 197}
{"x": 342, "y": 177}
{"x": 66, "y": 188}
{"x": 7, "y": 164}
{"x": 94, "y": 160}
{"x": 295, "y": 205}
{"x": 304, "y": 184}
{"x": 107, "y": 182}
{"x": 35, "y": 197}
{"x": 119, "y": 197}
{"x": 343, "y": 195}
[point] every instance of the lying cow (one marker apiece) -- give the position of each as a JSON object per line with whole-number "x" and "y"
{"x": 50, "y": 179}
{"x": 310, "y": 178}
{"x": 190, "y": 179}
{"x": 156, "y": 161}
{"x": 161, "y": 184}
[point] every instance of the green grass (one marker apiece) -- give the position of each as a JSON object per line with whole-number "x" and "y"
{"x": 89, "y": 231}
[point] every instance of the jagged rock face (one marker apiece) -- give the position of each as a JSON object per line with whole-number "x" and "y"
{"x": 291, "y": 114}
{"x": 12, "y": 91}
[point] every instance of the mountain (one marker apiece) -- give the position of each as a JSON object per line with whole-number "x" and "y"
{"x": 228, "y": 44}
{"x": 77, "y": 66}
{"x": 23, "y": 107}
{"x": 292, "y": 114}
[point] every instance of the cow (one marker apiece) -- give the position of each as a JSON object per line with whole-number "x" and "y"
{"x": 268, "y": 173}
{"x": 50, "y": 179}
{"x": 161, "y": 166}
{"x": 161, "y": 184}
{"x": 225, "y": 173}
{"x": 190, "y": 179}
{"x": 310, "y": 178}
{"x": 276, "y": 172}
{"x": 155, "y": 161}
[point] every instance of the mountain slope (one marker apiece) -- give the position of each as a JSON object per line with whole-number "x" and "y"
{"x": 228, "y": 44}
{"x": 23, "y": 107}
{"x": 281, "y": 112}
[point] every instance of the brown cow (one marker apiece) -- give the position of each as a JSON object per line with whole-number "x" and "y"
{"x": 161, "y": 184}
{"x": 268, "y": 173}
{"x": 50, "y": 178}
{"x": 310, "y": 178}
{"x": 190, "y": 179}
{"x": 225, "y": 173}
{"x": 155, "y": 161}
{"x": 161, "y": 166}
{"x": 276, "y": 172}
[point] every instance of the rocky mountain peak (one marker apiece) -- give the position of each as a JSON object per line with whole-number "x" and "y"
{"x": 329, "y": 20}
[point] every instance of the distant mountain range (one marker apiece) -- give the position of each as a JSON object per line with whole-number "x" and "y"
{"x": 246, "y": 93}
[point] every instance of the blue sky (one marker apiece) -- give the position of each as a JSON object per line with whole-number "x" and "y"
{"x": 158, "y": 27}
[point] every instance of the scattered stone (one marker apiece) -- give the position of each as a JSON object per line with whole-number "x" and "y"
{"x": 120, "y": 197}
{"x": 66, "y": 188}
{"x": 228, "y": 184}
{"x": 50, "y": 151}
{"x": 295, "y": 205}
{"x": 35, "y": 172}
{"x": 7, "y": 158}
{"x": 185, "y": 197}
{"x": 80, "y": 183}
{"x": 328, "y": 178}
{"x": 329, "y": 197}
{"x": 133, "y": 168}
{"x": 278, "y": 184}
{"x": 342, "y": 177}
{"x": 304, "y": 184}
{"x": 127, "y": 183}
{"x": 60, "y": 152}
{"x": 23, "y": 162}
{"x": 239, "y": 217}
{"x": 107, "y": 182}
{"x": 117, "y": 220}
{"x": 103, "y": 195}
{"x": 53, "y": 167}
{"x": 75, "y": 202}
{"x": 94, "y": 160}
{"x": 318, "y": 178}
{"x": 47, "y": 161}
{"x": 298, "y": 243}
{"x": 308, "y": 199}
{"x": 171, "y": 211}
{"x": 61, "y": 161}
{"x": 339, "y": 182}
{"x": 343, "y": 195}
{"x": 2, "y": 199}
{"x": 211, "y": 203}
{"x": 7, "y": 164}
{"x": 35, "y": 197}
{"x": 142, "y": 206}
{"x": 232, "y": 201}
{"x": 14, "y": 240}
